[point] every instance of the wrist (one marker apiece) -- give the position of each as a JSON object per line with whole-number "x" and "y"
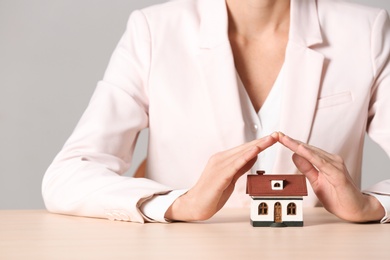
{"x": 177, "y": 211}
{"x": 185, "y": 208}
{"x": 373, "y": 210}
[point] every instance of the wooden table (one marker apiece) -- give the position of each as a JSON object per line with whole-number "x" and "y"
{"x": 228, "y": 235}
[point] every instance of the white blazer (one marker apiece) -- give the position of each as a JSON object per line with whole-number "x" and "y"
{"x": 173, "y": 72}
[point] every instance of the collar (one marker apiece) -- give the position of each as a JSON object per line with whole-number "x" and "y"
{"x": 304, "y": 26}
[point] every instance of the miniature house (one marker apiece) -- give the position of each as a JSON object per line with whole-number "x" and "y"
{"x": 277, "y": 200}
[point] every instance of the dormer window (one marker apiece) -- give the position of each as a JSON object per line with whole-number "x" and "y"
{"x": 277, "y": 185}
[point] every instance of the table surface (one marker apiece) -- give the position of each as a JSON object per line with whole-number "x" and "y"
{"x": 37, "y": 234}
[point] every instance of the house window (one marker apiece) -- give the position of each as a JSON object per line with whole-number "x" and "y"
{"x": 291, "y": 209}
{"x": 263, "y": 209}
{"x": 277, "y": 184}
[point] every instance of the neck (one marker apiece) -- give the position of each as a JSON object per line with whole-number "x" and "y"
{"x": 253, "y": 18}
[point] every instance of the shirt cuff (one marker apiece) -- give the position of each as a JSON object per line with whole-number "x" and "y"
{"x": 385, "y": 201}
{"x": 155, "y": 208}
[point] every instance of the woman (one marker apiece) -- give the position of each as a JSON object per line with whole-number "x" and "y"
{"x": 212, "y": 79}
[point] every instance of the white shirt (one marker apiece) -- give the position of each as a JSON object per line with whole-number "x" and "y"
{"x": 264, "y": 122}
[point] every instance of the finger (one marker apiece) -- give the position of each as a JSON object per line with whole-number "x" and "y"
{"x": 322, "y": 160}
{"x": 306, "y": 168}
{"x": 294, "y": 144}
{"x": 243, "y": 170}
{"x": 289, "y": 142}
{"x": 229, "y": 175}
{"x": 263, "y": 143}
{"x": 243, "y": 163}
{"x": 228, "y": 157}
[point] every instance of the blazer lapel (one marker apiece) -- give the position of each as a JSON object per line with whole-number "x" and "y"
{"x": 303, "y": 79}
{"x": 218, "y": 73}
{"x": 304, "y": 68}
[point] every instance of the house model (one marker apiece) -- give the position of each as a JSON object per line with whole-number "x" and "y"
{"x": 277, "y": 200}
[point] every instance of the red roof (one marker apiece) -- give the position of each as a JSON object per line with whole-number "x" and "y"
{"x": 260, "y": 185}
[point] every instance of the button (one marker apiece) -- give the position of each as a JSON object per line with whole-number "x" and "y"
{"x": 255, "y": 128}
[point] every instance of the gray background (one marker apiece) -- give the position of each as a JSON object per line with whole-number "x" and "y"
{"x": 52, "y": 53}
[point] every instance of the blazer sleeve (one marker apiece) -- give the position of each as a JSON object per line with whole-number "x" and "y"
{"x": 378, "y": 126}
{"x": 86, "y": 177}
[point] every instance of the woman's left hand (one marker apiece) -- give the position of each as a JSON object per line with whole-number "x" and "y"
{"x": 332, "y": 183}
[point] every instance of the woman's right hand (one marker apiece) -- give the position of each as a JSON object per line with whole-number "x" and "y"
{"x": 217, "y": 181}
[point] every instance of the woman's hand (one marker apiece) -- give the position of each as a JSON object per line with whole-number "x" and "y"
{"x": 332, "y": 183}
{"x": 217, "y": 181}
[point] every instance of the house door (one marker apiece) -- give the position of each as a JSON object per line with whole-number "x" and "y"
{"x": 278, "y": 213}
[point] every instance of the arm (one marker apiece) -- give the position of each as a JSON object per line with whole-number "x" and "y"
{"x": 86, "y": 176}
{"x": 378, "y": 125}
{"x": 332, "y": 183}
{"x": 327, "y": 173}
